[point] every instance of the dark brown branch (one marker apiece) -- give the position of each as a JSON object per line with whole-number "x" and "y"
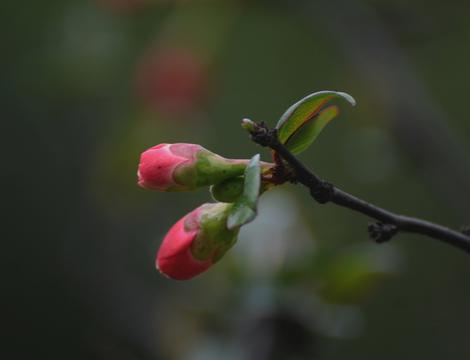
{"x": 323, "y": 192}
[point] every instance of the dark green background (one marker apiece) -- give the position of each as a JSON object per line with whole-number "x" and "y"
{"x": 80, "y": 238}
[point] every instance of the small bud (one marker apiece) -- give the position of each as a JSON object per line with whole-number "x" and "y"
{"x": 248, "y": 125}
{"x": 380, "y": 232}
{"x": 183, "y": 167}
{"x": 196, "y": 242}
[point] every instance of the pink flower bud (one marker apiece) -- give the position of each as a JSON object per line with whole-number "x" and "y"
{"x": 182, "y": 167}
{"x": 196, "y": 242}
{"x": 158, "y": 164}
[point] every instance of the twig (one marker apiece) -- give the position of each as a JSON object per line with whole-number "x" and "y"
{"x": 323, "y": 192}
{"x": 418, "y": 122}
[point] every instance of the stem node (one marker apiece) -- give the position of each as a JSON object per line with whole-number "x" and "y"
{"x": 380, "y": 232}
{"x": 323, "y": 192}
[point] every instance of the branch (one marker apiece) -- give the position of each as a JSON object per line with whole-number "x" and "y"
{"x": 323, "y": 192}
{"x": 411, "y": 112}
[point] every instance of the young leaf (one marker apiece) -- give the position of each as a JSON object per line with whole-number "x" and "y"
{"x": 306, "y": 134}
{"x": 240, "y": 214}
{"x": 306, "y": 109}
{"x": 244, "y": 209}
{"x": 252, "y": 182}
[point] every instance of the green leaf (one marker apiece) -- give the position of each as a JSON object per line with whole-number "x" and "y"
{"x": 240, "y": 214}
{"x": 245, "y": 208}
{"x": 306, "y": 109}
{"x": 252, "y": 182}
{"x": 306, "y": 134}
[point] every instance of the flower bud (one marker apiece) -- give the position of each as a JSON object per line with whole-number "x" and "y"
{"x": 183, "y": 167}
{"x": 196, "y": 242}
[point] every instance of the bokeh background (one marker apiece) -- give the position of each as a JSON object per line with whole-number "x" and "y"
{"x": 88, "y": 85}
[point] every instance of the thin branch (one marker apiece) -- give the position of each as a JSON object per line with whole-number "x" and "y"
{"x": 419, "y": 123}
{"x": 323, "y": 192}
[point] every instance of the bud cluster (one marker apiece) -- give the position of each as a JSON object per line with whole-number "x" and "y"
{"x": 202, "y": 237}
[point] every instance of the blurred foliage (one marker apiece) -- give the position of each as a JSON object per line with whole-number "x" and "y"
{"x": 88, "y": 85}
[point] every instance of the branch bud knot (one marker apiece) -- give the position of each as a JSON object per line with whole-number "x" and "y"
{"x": 380, "y": 232}
{"x": 260, "y": 132}
{"x": 323, "y": 193}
